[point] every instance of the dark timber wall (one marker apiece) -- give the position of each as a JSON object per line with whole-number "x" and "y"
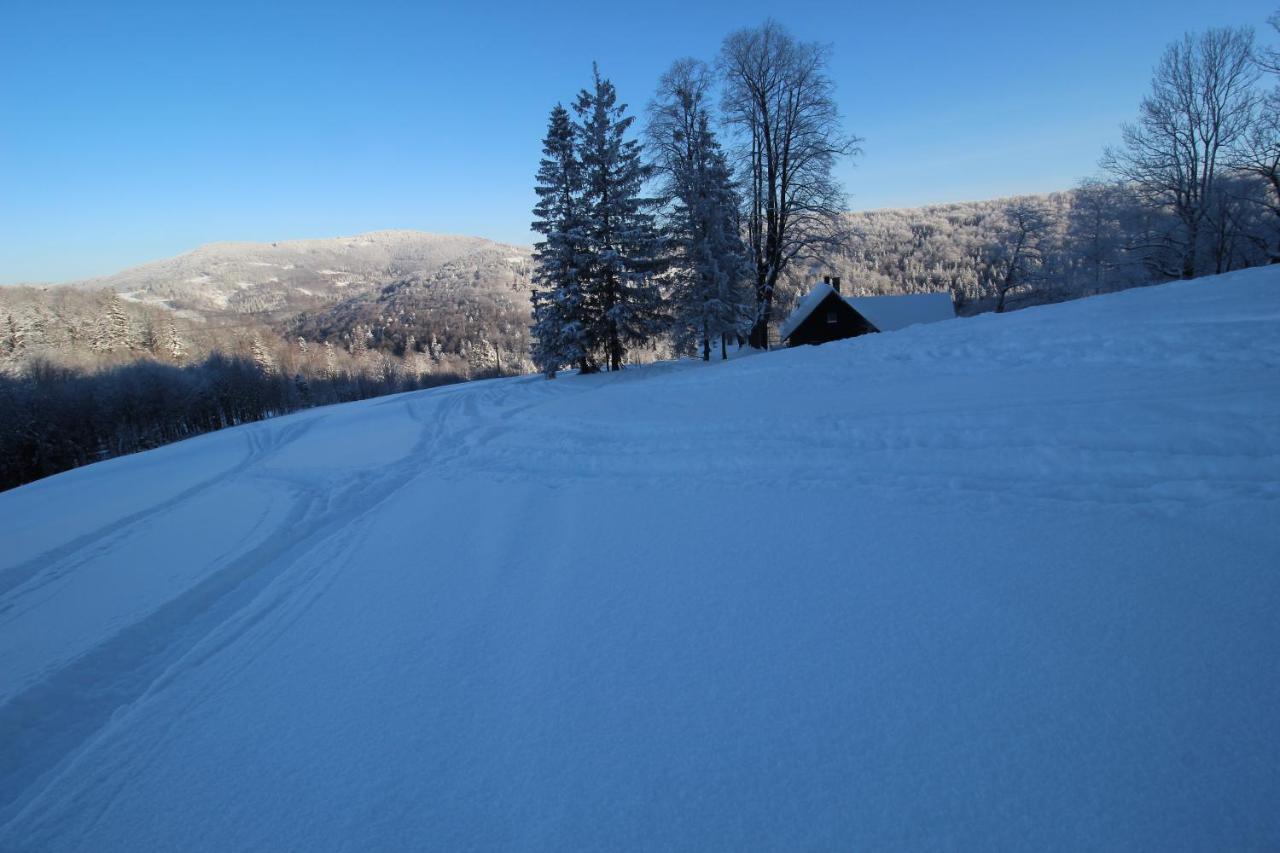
{"x": 833, "y": 320}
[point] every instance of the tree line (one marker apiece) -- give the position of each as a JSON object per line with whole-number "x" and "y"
{"x": 698, "y": 229}
{"x": 91, "y": 378}
{"x": 54, "y": 418}
{"x": 743, "y": 209}
{"x": 685, "y": 242}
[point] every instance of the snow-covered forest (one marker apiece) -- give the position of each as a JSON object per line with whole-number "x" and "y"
{"x": 706, "y": 238}
{"x": 89, "y": 374}
{"x": 748, "y": 213}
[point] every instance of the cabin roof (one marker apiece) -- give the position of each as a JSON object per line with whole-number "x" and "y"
{"x": 890, "y": 313}
{"x": 886, "y": 313}
{"x": 804, "y": 309}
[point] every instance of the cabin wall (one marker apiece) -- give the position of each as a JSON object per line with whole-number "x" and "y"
{"x": 817, "y": 330}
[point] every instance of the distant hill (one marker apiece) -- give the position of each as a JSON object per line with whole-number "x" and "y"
{"x": 292, "y": 275}
{"x": 460, "y": 305}
{"x": 461, "y": 302}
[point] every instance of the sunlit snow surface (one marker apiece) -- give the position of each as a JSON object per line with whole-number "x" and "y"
{"x": 1004, "y": 582}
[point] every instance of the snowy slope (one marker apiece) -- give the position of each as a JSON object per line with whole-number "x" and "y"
{"x": 1006, "y": 582}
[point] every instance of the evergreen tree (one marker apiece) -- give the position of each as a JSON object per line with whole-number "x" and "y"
{"x": 148, "y": 337}
{"x": 261, "y": 356}
{"x": 360, "y": 336}
{"x": 710, "y": 296}
{"x": 330, "y": 361}
{"x": 483, "y": 359}
{"x": 37, "y": 329}
{"x": 114, "y": 331}
{"x": 173, "y": 344}
{"x": 559, "y": 309}
{"x": 717, "y": 303}
{"x": 14, "y": 340}
{"x": 624, "y": 306}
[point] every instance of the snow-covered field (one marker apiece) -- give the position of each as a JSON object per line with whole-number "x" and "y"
{"x": 1010, "y": 582}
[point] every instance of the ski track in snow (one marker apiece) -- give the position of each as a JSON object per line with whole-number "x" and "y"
{"x": 52, "y": 718}
{"x": 1001, "y": 582}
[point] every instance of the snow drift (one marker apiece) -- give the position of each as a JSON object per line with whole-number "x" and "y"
{"x": 1009, "y": 581}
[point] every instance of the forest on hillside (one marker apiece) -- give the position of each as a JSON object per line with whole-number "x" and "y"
{"x": 662, "y": 238}
{"x": 1098, "y": 238}
{"x": 715, "y": 219}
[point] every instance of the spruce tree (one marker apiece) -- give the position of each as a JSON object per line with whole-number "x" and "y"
{"x": 714, "y": 301}
{"x": 330, "y": 361}
{"x": 173, "y": 344}
{"x": 623, "y": 304}
{"x": 710, "y": 294}
{"x": 261, "y": 355}
{"x": 14, "y": 340}
{"x": 114, "y": 331}
{"x": 559, "y": 309}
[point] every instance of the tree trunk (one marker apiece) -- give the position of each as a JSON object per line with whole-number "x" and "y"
{"x": 615, "y": 348}
{"x": 1189, "y": 256}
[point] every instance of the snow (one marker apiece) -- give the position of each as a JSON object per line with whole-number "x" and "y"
{"x": 886, "y": 313}
{"x": 804, "y": 309}
{"x": 143, "y": 298}
{"x": 1002, "y": 583}
{"x": 892, "y": 313}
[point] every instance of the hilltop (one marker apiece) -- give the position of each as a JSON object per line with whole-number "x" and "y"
{"x": 293, "y": 274}
{"x": 374, "y": 293}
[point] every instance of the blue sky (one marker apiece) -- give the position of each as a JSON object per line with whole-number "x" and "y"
{"x": 130, "y": 132}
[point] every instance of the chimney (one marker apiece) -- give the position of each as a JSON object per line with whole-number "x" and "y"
{"x": 835, "y": 283}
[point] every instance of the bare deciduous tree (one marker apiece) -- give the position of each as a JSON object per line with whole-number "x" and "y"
{"x": 1094, "y": 228}
{"x": 709, "y": 295}
{"x": 780, "y": 102}
{"x": 1019, "y": 257}
{"x": 1268, "y": 58}
{"x": 1201, "y": 105}
{"x": 1258, "y": 153}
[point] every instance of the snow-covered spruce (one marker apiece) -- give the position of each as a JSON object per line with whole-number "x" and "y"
{"x": 596, "y": 267}
{"x": 560, "y": 323}
{"x": 711, "y": 296}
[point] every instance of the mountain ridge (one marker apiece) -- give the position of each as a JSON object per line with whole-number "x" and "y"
{"x": 289, "y": 275}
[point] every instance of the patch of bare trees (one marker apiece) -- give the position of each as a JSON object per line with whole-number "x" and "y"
{"x": 1203, "y": 116}
{"x": 779, "y": 101}
{"x": 53, "y": 418}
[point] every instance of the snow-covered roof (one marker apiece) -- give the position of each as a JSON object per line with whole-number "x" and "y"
{"x": 886, "y": 313}
{"x": 890, "y": 313}
{"x": 804, "y": 309}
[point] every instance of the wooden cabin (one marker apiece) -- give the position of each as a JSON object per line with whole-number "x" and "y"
{"x": 824, "y": 315}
